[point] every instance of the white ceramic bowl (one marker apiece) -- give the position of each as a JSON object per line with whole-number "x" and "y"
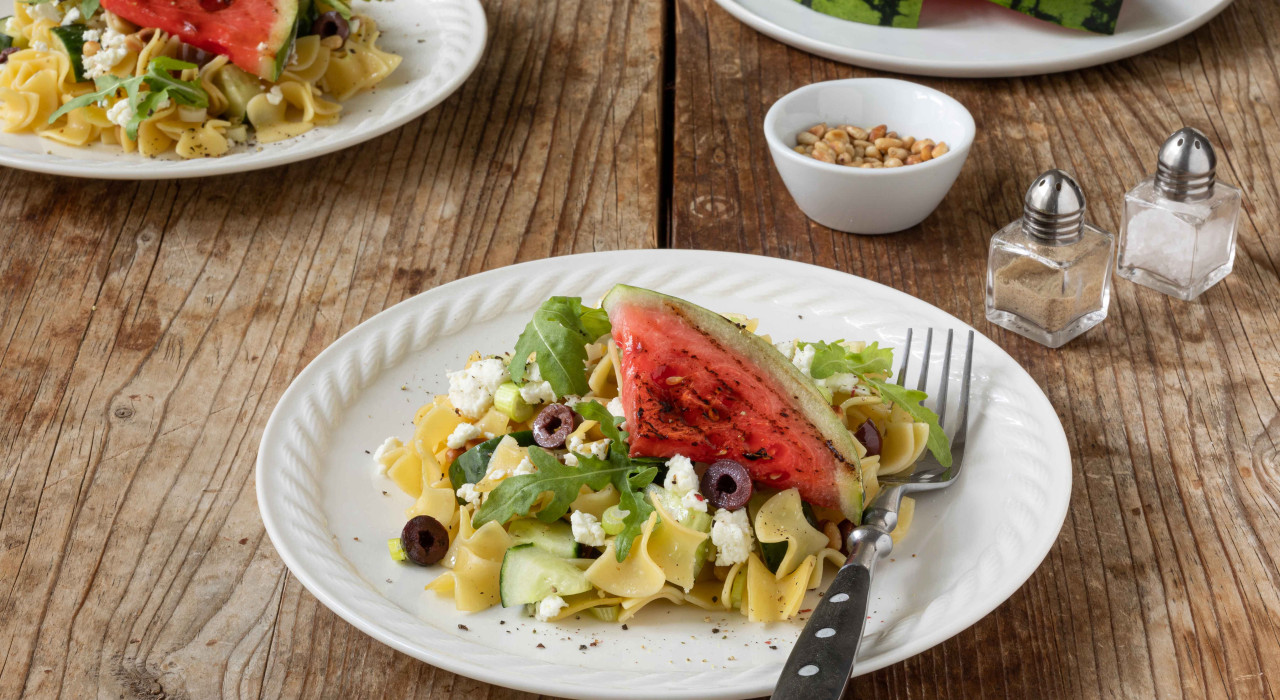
{"x": 866, "y": 200}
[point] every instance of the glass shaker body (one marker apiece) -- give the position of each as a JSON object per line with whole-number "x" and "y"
{"x": 1179, "y": 248}
{"x": 1047, "y": 291}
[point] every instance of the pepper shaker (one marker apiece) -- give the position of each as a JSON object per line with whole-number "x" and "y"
{"x": 1049, "y": 272}
{"x": 1179, "y": 233}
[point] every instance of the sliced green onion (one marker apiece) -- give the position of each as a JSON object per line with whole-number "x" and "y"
{"x": 608, "y": 613}
{"x": 612, "y": 520}
{"x": 396, "y": 546}
{"x": 739, "y": 588}
{"x": 508, "y": 401}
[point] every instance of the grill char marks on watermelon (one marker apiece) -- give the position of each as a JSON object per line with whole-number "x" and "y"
{"x": 257, "y": 35}
{"x": 696, "y": 384}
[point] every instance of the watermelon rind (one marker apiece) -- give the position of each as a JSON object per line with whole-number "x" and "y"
{"x": 765, "y": 358}
{"x": 886, "y": 13}
{"x": 1097, "y": 16}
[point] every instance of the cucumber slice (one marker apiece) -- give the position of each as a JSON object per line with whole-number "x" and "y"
{"x": 556, "y": 538}
{"x": 71, "y": 39}
{"x": 6, "y": 41}
{"x": 531, "y": 573}
{"x": 608, "y": 613}
{"x": 239, "y": 87}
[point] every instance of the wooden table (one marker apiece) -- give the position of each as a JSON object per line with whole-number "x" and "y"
{"x": 149, "y": 328}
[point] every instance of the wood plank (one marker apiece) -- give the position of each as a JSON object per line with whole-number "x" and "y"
{"x": 147, "y": 330}
{"x": 1163, "y": 582}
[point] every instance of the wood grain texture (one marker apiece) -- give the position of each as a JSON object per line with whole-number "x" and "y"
{"x": 147, "y": 330}
{"x": 1164, "y": 582}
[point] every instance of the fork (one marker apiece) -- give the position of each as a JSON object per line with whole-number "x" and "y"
{"x": 821, "y": 663}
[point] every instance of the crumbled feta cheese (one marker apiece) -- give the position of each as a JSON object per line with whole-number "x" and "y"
{"x": 497, "y": 474}
{"x": 524, "y": 467}
{"x": 549, "y": 607}
{"x": 274, "y": 95}
{"x": 39, "y": 46}
{"x": 572, "y": 400}
{"x": 460, "y": 435}
{"x": 731, "y": 535}
{"x": 571, "y": 460}
{"x": 468, "y": 493}
{"x": 73, "y": 16}
{"x": 92, "y": 34}
{"x": 46, "y": 10}
{"x": 471, "y": 390}
{"x": 803, "y": 358}
{"x": 586, "y": 529}
{"x": 112, "y": 52}
{"x": 263, "y": 47}
{"x": 120, "y": 113}
{"x": 840, "y": 382}
{"x": 615, "y": 407}
{"x": 598, "y": 449}
{"x": 387, "y": 445}
{"x": 354, "y": 25}
{"x": 786, "y": 347}
{"x": 693, "y": 500}
{"x": 681, "y": 478}
{"x": 537, "y": 392}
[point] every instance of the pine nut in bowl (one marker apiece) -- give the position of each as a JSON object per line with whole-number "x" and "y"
{"x": 852, "y": 172}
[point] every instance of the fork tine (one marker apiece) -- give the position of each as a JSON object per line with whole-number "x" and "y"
{"x": 957, "y": 445}
{"x": 923, "y": 384}
{"x": 906, "y": 360}
{"x": 946, "y": 381}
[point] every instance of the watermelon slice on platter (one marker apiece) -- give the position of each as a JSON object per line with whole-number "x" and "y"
{"x": 1097, "y": 16}
{"x": 695, "y": 383}
{"x": 256, "y": 35}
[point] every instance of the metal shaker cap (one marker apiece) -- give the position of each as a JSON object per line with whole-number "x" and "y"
{"x": 1053, "y": 209}
{"x": 1187, "y": 166}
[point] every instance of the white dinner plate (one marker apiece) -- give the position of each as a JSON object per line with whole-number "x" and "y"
{"x": 441, "y": 42}
{"x": 970, "y": 547}
{"x": 973, "y": 38}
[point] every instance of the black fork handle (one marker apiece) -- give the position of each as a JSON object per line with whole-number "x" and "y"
{"x": 821, "y": 662}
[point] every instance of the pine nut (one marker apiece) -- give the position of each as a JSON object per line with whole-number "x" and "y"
{"x": 90, "y": 48}
{"x": 858, "y": 147}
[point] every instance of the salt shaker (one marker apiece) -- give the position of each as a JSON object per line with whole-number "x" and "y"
{"x": 1049, "y": 272}
{"x": 1179, "y": 233}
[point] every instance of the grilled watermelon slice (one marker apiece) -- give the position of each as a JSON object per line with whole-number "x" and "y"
{"x": 256, "y": 35}
{"x": 696, "y": 384}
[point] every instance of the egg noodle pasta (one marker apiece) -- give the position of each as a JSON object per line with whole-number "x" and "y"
{"x": 544, "y": 506}
{"x": 145, "y": 90}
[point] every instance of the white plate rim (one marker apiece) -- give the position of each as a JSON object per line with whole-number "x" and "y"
{"x": 324, "y": 368}
{"x": 468, "y": 45}
{"x": 971, "y": 68}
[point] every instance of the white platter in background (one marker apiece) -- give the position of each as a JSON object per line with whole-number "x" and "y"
{"x": 970, "y": 547}
{"x": 441, "y": 42}
{"x": 974, "y": 38}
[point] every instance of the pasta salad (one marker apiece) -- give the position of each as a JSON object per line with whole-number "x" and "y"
{"x": 534, "y": 484}
{"x": 190, "y": 77}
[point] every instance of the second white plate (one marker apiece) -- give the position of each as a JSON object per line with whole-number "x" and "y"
{"x": 970, "y": 547}
{"x": 441, "y": 42}
{"x": 972, "y": 38}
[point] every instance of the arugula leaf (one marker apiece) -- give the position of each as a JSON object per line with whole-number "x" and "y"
{"x": 517, "y": 495}
{"x": 834, "y": 358}
{"x": 629, "y": 477}
{"x": 471, "y": 466}
{"x": 557, "y": 336}
{"x": 909, "y": 400}
{"x": 161, "y": 86}
{"x": 88, "y": 8}
{"x": 595, "y": 322}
